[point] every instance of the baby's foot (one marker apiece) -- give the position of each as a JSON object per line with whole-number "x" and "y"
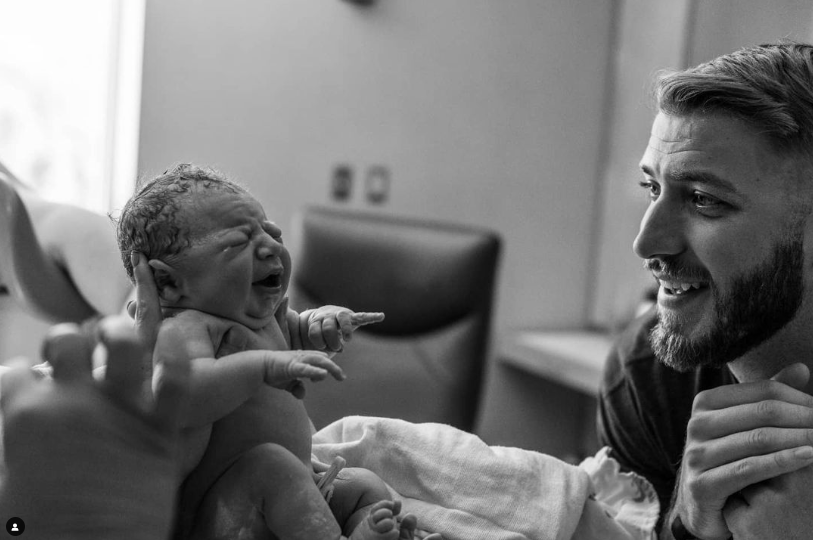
{"x": 380, "y": 523}
{"x": 409, "y": 530}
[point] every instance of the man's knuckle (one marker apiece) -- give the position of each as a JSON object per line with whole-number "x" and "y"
{"x": 697, "y": 426}
{"x": 767, "y": 410}
{"x": 773, "y": 389}
{"x": 757, "y": 438}
{"x": 743, "y": 467}
{"x": 779, "y": 459}
{"x": 694, "y": 456}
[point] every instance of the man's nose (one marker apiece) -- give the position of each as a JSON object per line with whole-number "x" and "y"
{"x": 661, "y": 232}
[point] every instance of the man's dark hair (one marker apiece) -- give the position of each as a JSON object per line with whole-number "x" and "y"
{"x": 152, "y": 222}
{"x": 768, "y": 86}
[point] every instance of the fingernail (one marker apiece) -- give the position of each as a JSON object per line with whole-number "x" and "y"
{"x": 135, "y": 258}
{"x": 805, "y": 452}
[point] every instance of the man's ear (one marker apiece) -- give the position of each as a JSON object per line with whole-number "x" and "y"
{"x": 166, "y": 280}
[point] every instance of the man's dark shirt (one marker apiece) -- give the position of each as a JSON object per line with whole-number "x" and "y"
{"x": 644, "y": 407}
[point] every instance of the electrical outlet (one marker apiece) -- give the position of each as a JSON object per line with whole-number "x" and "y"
{"x": 341, "y": 182}
{"x": 377, "y": 184}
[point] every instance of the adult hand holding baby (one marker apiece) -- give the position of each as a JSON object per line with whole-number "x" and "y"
{"x": 146, "y": 308}
{"x": 105, "y": 441}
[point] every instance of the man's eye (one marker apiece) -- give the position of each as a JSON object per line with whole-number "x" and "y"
{"x": 701, "y": 200}
{"x": 653, "y": 188}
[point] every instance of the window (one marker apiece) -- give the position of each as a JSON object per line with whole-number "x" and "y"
{"x": 70, "y": 82}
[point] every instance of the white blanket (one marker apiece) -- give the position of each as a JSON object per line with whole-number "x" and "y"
{"x": 466, "y": 490}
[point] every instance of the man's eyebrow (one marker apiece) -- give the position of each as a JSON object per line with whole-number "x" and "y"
{"x": 697, "y": 177}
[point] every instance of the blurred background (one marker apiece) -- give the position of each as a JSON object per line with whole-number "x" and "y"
{"x": 527, "y": 117}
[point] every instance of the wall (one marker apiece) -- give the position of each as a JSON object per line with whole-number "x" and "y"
{"x": 486, "y": 112}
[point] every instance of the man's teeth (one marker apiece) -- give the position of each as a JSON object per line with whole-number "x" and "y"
{"x": 676, "y": 287}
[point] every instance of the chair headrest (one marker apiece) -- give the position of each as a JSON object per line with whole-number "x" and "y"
{"x": 423, "y": 276}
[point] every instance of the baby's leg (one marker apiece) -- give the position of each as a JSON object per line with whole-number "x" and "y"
{"x": 355, "y": 490}
{"x": 359, "y": 497}
{"x": 268, "y": 494}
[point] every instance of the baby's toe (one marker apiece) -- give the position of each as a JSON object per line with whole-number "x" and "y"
{"x": 408, "y": 525}
{"x": 381, "y": 518}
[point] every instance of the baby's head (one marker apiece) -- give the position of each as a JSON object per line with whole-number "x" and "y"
{"x": 209, "y": 244}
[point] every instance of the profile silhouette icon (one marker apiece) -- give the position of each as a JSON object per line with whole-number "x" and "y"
{"x": 15, "y": 526}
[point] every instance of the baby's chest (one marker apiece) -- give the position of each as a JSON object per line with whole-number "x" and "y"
{"x": 231, "y": 337}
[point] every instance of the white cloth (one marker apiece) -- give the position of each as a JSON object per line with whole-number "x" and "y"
{"x": 460, "y": 487}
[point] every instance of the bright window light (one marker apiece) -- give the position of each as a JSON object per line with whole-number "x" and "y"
{"x": 70, "y": 90}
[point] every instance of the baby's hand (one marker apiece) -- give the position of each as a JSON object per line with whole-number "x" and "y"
{"x": 284, "y": 369}
{"x": 328, "y": 327}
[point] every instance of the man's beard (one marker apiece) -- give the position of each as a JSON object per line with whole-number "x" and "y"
{"x": 757, "y": 305}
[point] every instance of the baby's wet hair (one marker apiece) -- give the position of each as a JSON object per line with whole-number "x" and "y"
{"x": 152, "y": 222}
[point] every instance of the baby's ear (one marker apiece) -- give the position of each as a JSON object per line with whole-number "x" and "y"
{"x": 166, "y": 280}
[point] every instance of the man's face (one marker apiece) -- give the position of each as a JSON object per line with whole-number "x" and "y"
{"x": 723, "y": 236}
{"x": 237, "y": 266}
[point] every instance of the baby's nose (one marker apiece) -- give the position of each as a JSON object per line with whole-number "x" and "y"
{"x": 268, "y": 247}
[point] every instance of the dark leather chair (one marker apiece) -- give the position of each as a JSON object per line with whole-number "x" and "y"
{"x": 26, "y": 271}
{"x": 434, "y": 282}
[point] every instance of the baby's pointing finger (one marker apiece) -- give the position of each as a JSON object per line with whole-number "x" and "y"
{"x": 363, "y": 318}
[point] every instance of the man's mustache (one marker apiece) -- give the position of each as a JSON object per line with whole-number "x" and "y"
{"x": 673, "y": 270}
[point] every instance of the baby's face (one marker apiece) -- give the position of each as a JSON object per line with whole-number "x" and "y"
{"x": 236, "y": 267}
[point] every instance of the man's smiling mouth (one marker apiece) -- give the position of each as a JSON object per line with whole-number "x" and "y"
{"x": 678, "y": 288}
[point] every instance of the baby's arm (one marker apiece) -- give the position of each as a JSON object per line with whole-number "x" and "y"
{"x": 220, "y": 385}
{"x": 326, "y": 327}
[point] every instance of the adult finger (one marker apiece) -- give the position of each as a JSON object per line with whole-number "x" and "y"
{"x": 172, "y": 393}
{"x": 147, "y": 305}
{"x": 732, "y": 395}
{"x": 706, "y": 425}
{"x": 128, "y": 363}
{"x": 737, "y": 446}
{"x": 732, "y": 477}
{"x": 69, "y": 351}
